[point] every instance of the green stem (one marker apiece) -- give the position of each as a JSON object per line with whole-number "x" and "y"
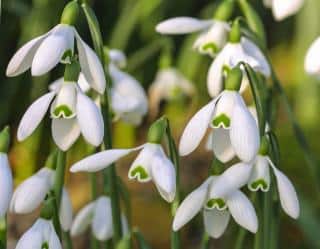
{"x": 205, "y": 241}
{"x": 94, "y": 243}
{"x": 267, "y": 217}
{"x": 258, "y": 239}
{"x": 59, "y": 177}
{"x": 110, "y": 176}
{"x": 240, "y": 238}
{"x": 3, "y": 232}
{"x": 173, "y": 153}
{"x": 67, "y": 240}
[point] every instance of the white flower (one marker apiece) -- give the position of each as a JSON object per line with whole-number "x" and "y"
{"x": 118, "y": 58}
{"x": 229, "y": 57}
{"x": 312, "y": 63}
{"x": 151, "y": 164}
{"x": 65, "y": 211}
{"x": 40, "y": 235}
{"x": 219, "y": 197}
{"x": 233, "y": 125}
{"x": 6, "y": 184}
{"x": 260, "y": 180}
{"x": 128, "y": 98}
{"x": 44, "y": 52}
{"x": 72, "y": 113}
{"x": 31, "y": 192}
{"x": 283, "y": 8}
{"x": 169, "y": 84}
{"x": 213, "y": 36}
{"x": 98, "y": 214}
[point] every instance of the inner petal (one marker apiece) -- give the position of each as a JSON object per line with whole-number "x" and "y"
{"x": 64, "y": 105}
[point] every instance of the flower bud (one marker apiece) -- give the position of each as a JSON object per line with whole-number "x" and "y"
{"x": 234, "y": 79}
{"x": 5, "y": 139}
{"x": 156, "y": 131}
{"x": 224, "y": 10}
{"x": 70, "y": 13}
{"x": 235, "y": 32}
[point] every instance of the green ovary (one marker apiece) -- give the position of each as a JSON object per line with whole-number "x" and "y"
{"x": 211, "y": 47}
{"x": 221, "y": 121}
{"x": 259, "y": 184}
{"x": 62, "y": 110}
{"x": 216, "y": 202}
{"x": 45, "y": 246}
{"x": 140, "y": 173}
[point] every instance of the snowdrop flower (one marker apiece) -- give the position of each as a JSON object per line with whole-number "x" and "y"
{"x": 260, "y": 180}
{"x": 219, "y": 197}
{"x": 151, "y": 164}
{"x": 283, "y": 8}
{"x": 30, "y": 193}
{"x": 43, "y": 53}
{"x": 235, "y": 130}
{"x": 98, "y": 214}
{"x": 213, "y": 36}
{"x": 169, "y": 84}
{"x": 41, "y": 235}
{"x": 238, "y": 49}
{"x": 311, "y": 63}
{"x": 6, "y": 184}
{"x": 72, "y": 113}
{"x": 128, "y": 98}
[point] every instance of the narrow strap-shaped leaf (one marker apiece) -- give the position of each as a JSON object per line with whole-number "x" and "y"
{"x": 275, "y": 150}
{"x": 142, "y": 243}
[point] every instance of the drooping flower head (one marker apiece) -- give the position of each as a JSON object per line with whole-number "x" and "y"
{"x": 281, "y": 9}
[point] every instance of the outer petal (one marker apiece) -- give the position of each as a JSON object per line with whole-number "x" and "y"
{"x": 53, "y": 240}
{"x": 260, "y": 172}
{"x": 284, "y": 8}
{"x": 90, "y": 120}
{"x": 30, "y": 239}
{"x": 102, "y": 219}
{"x": 221, "y": 145}
{"x": 51, "y": 50}
{"x": 288, "y": 196}
{"x": 118, "y": 58}
{"x": 91, "y": 66}
{"x": 182, "y": 25}
{"x": 65, "y": 132}
{"x": 22, "y": 59}
{"x": 164, "y": 176}
{"x": 244, "y": 133}
{"x": 312, "y": 62}
{"x": 65, "y": 212}
{"x": 83, "y": 219}
{"x": 34, "y": 115}
{"x": 242, "y": 211}
{"x": 191, "y": 205}
{"x": 6, "y": 185}
{"x": 232, "y": 179}
{"x": 100, "y": 160}
{"x": 215, "y": 222}
{"x": 196, "y": 129}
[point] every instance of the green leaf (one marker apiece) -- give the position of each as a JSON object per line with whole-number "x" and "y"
{"x": 142, "y": 243}
{"x": 125, "y": 242}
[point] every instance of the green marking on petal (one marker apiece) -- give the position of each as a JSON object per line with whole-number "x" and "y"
{"x": 45, "y": 245}
{"x": 62, "y": 111}
{"x": 140, "y": 173}
{"x": 259, "y": 184}
{"x": 210, "y": 48}
{"x": 216, "y": 203}
{"x": 221, "y": 121}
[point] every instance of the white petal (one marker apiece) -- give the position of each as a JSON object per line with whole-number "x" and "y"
{"x": 243, "y": 211}
{"x": 196, "y": 129}
{"x": 221, "y": 145}
{"x": 284, "y": 8}
{"x": 260, "y": 172}
{"x": 231, "y": 179}
{"x": 82, "y": 220}
{"x": 182, "y": 25}
{"x": 22, "y": 59}
{"x": 56, "y": 85}
{"x": 191, "y": 205}
{"x": 312, "y": 62}
{"x": 34, "y": 115}
{"x": 64, "y": 105}
{"x": 52, "y": 49}
{"x": 83, "y": 83}
{"x": 6, "y": 185}
{"x": 91, "y": 66}
{"x": 215, "y": 222}
{"x": 118, "y": 58}
{"x": 102, "y": 219}
{"x": 164, "y": 176}
{"x": 287, "y": 194}
{"x": 244, "y": 133}
{"x": 90, "y": 120}
{"x": 100, "y": 160}
{"x": 65, "y": 132}
{"x": 30, "y": 193}
{"x": 31, "y": 239}
{"x": 54, "y": 242}
{"x": 65, "y": 212}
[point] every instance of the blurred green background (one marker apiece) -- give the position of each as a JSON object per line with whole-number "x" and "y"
{"x": 129, "y": 25}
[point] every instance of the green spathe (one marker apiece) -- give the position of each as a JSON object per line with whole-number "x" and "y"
{"x": 70, "y": 13}
{"x": 225, "y": 10}
{"x": 234, "y": 79}
{"x": 221, "y": 120}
